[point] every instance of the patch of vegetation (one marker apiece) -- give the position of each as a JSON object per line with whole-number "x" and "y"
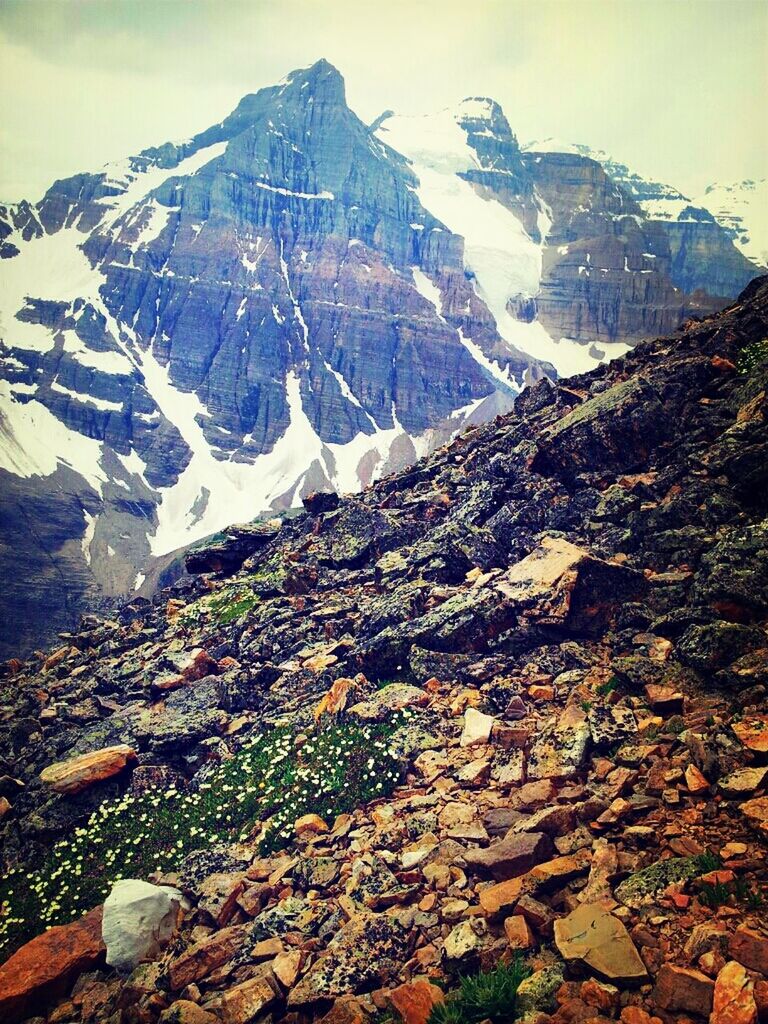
{"x": 586, "y": 705}
{"x": 714, "y": 895}
{"x": 222, "y": 606}
{"x": 707, "y": 862}
{"x": 607, "y": 687}
{"x": 268, "y": 783}
{"x": 752, "y": 355}
{"x": 489, "y": 995}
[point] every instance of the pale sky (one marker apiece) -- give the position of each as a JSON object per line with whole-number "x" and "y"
{"x": 678, "y": 89}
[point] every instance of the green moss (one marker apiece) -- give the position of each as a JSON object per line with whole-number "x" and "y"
{"x": 655, "y": 878}
{"x": 223, "y": 606}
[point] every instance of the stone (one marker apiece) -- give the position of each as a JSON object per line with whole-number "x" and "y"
{"x": 80, "y": 772}
{"x": 517, "y": 932}
{"x": 366, "y": 951}
{"x": 182, "y": 1011}
{"x": 694, "y": 780}
{"x": 600, "y": 996}
{"x": 203, "y": 957}
{"x": 243, "y": 1003}
{"x": 286, "y": 967}
{"x": 513, "y": 856}
{"x": 734, "y": 997}
{"x": 501, "y": 899}
{"x": 217, "y": 895}
{"x": 750, "y": 948}
{"x": 537, "y": 992}
{"x": 45, "y": 967}
{"x": 665, "y": 699}
{"x": 465, "y": 940}
{"x": 477, "y": 728}
{"x": 752, "y": 731}
{"x": 309, "y": 823}
{"x": 742, "y": 782}
{"x": 683, "y": 989}
{"x": 650, "y": 881}
{"x": 599, "y": 940}
{"x": 561, "y": 751}
{"x": 565, "y": 585}
{"x": 414, "y": 1000}
{"x": 138, "y": 921}
{"x": 756, "y": 813}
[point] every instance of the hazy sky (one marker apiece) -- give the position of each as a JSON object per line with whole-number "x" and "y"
{"x": 676, "y": 88}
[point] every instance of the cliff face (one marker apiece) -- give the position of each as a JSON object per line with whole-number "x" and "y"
{"x": 714, "y": 240}
{"x": 510, "y": 697}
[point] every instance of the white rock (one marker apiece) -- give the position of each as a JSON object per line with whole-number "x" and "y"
{"x": 477, "y": 727}
{"x": 138, "y": 921}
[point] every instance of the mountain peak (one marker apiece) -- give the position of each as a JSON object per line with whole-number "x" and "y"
{"x": 322, "y": 79}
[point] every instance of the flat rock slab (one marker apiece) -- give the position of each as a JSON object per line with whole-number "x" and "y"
{"x": 512, "y": 856}
{"x": 44, "y": 968}
{"x": 562, "y": 584}
{"x": 598, "y": 939}
{"x": 78, "y": 773}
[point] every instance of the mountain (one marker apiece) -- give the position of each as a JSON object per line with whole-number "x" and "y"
{"x": 742, "y": 209}
{"x": 509, "y": 702}
{"x": 290, "y": 301}
{"x": 716, "y": 240}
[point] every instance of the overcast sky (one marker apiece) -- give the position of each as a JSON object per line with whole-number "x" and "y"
{"x": 676, "y": 88}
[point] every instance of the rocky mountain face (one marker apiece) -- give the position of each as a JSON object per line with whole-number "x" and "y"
{"x": 503, "y": 712}
{"x": 291, "y": 301}
{"x": 712, "y": 239}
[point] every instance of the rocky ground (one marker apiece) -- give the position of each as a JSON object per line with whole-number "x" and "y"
{"x": 500, "y": 718}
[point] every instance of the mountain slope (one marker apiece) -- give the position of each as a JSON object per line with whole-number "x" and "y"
{"x": 212, "y": 329}
{"x": 570, "y": 606}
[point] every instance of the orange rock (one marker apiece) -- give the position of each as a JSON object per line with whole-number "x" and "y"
{"x": 750, "y": 948}
{"x": 600, "y": 996}
{"x": 518, "y": 933}
{"x": 636, "y": 1015}
{"x": 200, "y": 959}
{"x": 414, "y": 1000}
{"x": 44, "y": 968}
{"x": 734, "y": 999}
{"x": 753, "y": 732}
{"x": 286, "y": 967}
{"x": 541, "y": 692}
{"x": 243, "y": 1003}
{"x": 694, "y": 780}
{"x": 78, "y": 773}
{"x": 679, "y": 988}
{"x": 309, "y": 823}
{"x": 756, "y": 811}
{"x": 501, "y": 899}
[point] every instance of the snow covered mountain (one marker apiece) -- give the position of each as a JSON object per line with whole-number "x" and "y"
{"x": 289, "y": 301}
{"x": 742, "y": 209}
{"x": 716, "y": 239}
